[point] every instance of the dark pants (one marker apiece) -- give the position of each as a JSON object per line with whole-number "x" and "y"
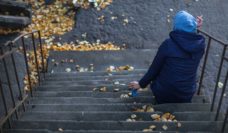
{"x": 48, "y": 2}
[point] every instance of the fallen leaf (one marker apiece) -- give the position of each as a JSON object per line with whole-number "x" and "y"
{"x": 95, "y": 89}
{"x": 124, "y": 96}
{"x": 82, "y": 69}
{"x": 149, "y": 109}
{"x": 129, "y": 94}
{"x": 147, "y": 130}
{"x": 133, "y": 116}
{"x": 116, "y": 83}
{"x": 77, "y": 67}
{"x": 109, "y": 74}
{"x": 155, "y": 116}
{"x": 178, "y": 124}
{"x": 116, "y": 90}
{"x": 103, "y": 89}
{"x": 113, "y": 17}
{"x": 164, "y": 127}
{"x": 84, "y": 35}
{"x": 71, "y": 61}
{"x": 60, "y": 129}
{"x": 220, "y": 85}
{"x": 68, "y": 69}
{"x": 152, "y": 127}
{"x": 126, "y": 20}
{"x": 110, "y": 69}
{"x": 130, "y": 120}
{"x": 101, "y": 18}
{"x": 91, "y": 68}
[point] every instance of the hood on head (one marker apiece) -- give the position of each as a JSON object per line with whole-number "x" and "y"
{"x": 184, "y": 21}
{"x": 189, "y": 42}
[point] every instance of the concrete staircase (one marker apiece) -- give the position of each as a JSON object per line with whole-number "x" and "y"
{"x": 68, "y": 102}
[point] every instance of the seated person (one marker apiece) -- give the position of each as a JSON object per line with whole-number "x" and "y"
{"x": 174, "y": 68}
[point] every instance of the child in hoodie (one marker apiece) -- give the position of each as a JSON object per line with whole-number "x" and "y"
{"x": 174, "y": 68}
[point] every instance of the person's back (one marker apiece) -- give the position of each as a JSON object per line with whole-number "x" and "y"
{"x": 176, "y": 81}
{"x": 173, "y": 71}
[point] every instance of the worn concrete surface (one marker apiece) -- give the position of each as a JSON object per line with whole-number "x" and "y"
{"x": 148, "y": 26}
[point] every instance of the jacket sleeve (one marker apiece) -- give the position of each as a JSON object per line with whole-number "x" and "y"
{"x": 155, "y": 67}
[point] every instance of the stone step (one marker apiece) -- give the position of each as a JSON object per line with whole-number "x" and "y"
{"x": 89, "y": 82}
{"x": 109, "y": 131}
{"x": 85, "y": 100}
{"x": 14, "y": 8}
{"x": 110, "y": 79}
{"x": 120, "y": 107}
{"x": 102, "y": 59}
{"x": 97, "y": 94}
{"x": 93, "y": 94}
{"x": 114, "y": 116}
{"x": 14, "y": 21}
{"x": 85, "y": 131}
{"x": 14, "y": 14}
{"x": 27, "y": 131}
{"x": 118, "y": 125}
{"x": 113, "y": 77}
{"x": 95, "y": 73}
{"x": 57, "y": 88}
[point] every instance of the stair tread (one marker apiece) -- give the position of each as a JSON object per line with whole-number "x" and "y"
{"x": 119, "y": 107}
{"x": 92, "y": 77}
{"x": 84, "y": 131}
{"x": 71, "y": 100}
{"x": 95, "y": 73}
{"x": 16, "y": 20}
{"x": 68, "y": 101}
{"x": 121, "y": 125}
{"x": 87, "y": 82}
{"x": 102, "y": 59}
{"x": 88, "y": 94}
{"x": 114, "y": 116}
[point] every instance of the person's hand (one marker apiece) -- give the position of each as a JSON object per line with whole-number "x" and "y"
{"x": 134, "y": 85}
{"x": 199, "y": 21}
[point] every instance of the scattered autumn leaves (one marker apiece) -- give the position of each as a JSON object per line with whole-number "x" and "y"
{"x": 149, "y": 110}
{"x": 166, "y": 117}
{"x": 51, "y": 19}
{"x": 99, "y": 4}
{"x": 54, "y": 20}
{"x": 84, "y": 46}
{"x": 6, "y": 31}
{"x": 33, "y": 68}
{"x": 120, "y": 68}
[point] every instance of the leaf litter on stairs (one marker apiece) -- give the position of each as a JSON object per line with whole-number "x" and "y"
{"x": 120, "y": 68}
{"x": 50, "y": 24}
{"x": 57, "y": 19}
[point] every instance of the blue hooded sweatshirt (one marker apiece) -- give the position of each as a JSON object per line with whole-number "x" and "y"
{"x": 174, "y": 68}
